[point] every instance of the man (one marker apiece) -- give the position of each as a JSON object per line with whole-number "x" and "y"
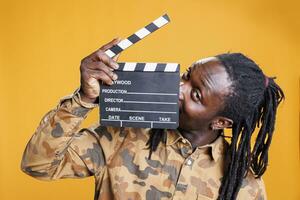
{"x": 192, "y": 162}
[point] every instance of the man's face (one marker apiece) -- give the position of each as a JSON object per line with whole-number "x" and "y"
{"x": 202, "y": 91}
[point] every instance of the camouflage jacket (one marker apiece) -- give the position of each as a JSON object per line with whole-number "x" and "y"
{"x": 118, "y": 159}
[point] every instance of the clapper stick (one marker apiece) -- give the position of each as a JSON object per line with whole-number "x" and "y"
{"x": 137, "y": 36}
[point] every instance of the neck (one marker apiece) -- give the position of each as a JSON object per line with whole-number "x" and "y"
{"x": 199, "y": 137}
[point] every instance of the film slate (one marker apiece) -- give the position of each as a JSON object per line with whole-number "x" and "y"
{"x": 145, "y": 95}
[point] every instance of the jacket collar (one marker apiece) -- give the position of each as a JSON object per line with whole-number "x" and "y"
{"x": 216, "y": 148}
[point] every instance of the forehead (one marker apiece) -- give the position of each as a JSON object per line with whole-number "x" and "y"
{"x": 211, "y": 73}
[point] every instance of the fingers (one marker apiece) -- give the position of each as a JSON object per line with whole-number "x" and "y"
{"x": 99, "y": 66}
{"x": 110, "y": 44}
{"x": 101, "y": 75}
{"x": 100, "y": 54}
{"x": 108, "y": 61}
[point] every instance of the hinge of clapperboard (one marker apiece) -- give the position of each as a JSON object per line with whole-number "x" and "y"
{"x": 137, "y": 36}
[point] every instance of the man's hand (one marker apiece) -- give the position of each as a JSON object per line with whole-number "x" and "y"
{"x": 94, "y": 68}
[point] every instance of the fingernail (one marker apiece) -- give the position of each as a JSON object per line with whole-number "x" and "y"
{"x": 116, "y": 66}
{"x": 115, "y": 76}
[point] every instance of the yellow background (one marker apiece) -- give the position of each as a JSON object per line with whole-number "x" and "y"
{"x": 42, "y": 43}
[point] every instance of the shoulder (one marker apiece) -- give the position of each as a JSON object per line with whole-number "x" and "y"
{"x": 252, "y": 188}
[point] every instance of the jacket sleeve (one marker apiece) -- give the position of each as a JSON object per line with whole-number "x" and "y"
{"x": 57, "y": 149}
{"x": 252, "y": 188}
{"x": 262, "y": 194}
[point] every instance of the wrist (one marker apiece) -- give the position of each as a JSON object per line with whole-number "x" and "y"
{"x": 84, "y": 101}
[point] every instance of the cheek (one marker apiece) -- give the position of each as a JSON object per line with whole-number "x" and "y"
{"x": 193, "y": 110}
{"x": 193, "y": 117}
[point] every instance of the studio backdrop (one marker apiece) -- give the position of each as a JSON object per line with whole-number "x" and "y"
{"x": 43, "y": 42}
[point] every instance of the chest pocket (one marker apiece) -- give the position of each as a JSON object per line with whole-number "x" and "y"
{"x": 204, "y": 188}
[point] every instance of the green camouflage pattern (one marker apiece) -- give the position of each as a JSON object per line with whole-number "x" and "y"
{"x": 118, "y": 159}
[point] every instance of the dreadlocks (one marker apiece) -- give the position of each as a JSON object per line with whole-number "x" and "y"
{"x": 156, "y": 136}
{"x": 252, "y": 103}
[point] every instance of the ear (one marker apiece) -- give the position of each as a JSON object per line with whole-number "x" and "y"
{"x": 221, "y": 123}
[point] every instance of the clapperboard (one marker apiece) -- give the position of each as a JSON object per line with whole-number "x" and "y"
{"x": 145, "y": 95}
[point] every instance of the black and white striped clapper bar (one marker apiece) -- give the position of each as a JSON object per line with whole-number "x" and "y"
{"x": 145, "y": 95}
{"x": 137, "y": 36}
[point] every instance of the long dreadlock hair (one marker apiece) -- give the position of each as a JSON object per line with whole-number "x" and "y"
{"x": 252, "y": 103}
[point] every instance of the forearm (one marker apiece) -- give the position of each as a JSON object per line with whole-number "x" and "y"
{"x": 48, "y": 145}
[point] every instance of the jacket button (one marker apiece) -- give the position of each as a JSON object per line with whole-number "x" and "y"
{"x": 189, "y": 162}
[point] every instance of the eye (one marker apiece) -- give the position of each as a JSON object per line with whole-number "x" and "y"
{"x": 196, "y": 94}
